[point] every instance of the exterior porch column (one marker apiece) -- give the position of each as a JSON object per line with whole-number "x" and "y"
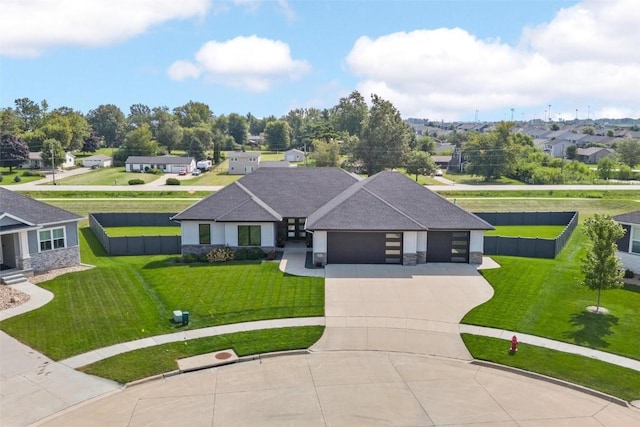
{"x": 23, "y": 258}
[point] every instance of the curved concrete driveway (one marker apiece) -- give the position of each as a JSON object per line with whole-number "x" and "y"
{"x": 396, "y": 308}
{"x": 349, "y": 389}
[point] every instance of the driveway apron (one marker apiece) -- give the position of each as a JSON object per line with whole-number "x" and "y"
{"x": 412, "y": 309}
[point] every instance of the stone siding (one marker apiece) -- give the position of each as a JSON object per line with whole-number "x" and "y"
{"x": 320, "y": 258}
{"x": 475, "y": 258}
{"x": 422, "y": 257}
{"x": 205, "y": 249}
{"x": 58, "y": 258}
{"x": 409, "y": 259}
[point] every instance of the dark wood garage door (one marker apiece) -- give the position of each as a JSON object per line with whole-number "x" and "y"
{"x": 364, "y": 248}
{"x": 448, "y": 246}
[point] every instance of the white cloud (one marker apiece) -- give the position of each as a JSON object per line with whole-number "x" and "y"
{"x": 181, "y": 70}
{"x": 251, "y": 63}
{"x": 28, "y": 27}
{"x": 585, "y": 53}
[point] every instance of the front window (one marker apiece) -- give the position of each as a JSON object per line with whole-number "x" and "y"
{"x": 249, "y": 235}
{"x": 52, "y": 238}
{"x": 204, "y": 231}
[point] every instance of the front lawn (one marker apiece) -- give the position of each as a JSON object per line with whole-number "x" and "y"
{"x": 595, "y": 374}
{"x": 539, "y": 231}
{"x": 127, "y": 298}
{"x": 115, "y": 176}
{"x": 542, "y": 297}
{"x": 159, "y": 359}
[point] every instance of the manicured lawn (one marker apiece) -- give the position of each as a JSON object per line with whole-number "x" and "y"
{"x": 106, "y": 176}
{"x": 142, "y": 231}
{"x": 8, "y": 178}
{"x": 217, "y": 176}
{"x": 542, "y": 297}
{"x": 150, "y": 361}
{"x": 540, "y": 231}
{"x": 607, "y": 378}
{"x": 126, "y": 298}
{"x": 461, "y": 178}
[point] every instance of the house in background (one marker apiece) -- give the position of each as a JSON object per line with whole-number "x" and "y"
{"x": 167, "y": 164}
{"x": 593, "y": 154}
{"x": 276, "y": 164}
{"x": 97, "y": 161}
{"x": 34, "y": 236}
{"x": 629, "y": 244}
{"x": 384, "y": 219}
{"x": 243, "y": 162}
{"x": 294, "y": 155}
{"x": 35, "y": 161}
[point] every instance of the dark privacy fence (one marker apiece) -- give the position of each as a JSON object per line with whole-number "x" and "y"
{"x": 527, "y": 246}
{"x": 135, "y": 245}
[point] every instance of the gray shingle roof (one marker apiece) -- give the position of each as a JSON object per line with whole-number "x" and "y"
{"x": 628, "y": 218}
{"x": 159, "y": 160}
{"x": 408, "y": 201}
{"x": 32, "y": 211}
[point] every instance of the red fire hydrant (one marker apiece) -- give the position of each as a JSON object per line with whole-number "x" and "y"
{"x": 514, "y": 344}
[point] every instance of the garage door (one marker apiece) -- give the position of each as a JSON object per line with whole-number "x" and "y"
{"x": 448, "y": 246}
{"x": 364, "y": 248}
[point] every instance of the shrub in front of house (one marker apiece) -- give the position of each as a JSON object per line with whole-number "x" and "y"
{"x": 173, "y": 181}
{"x": 17, "y": 178}
{"x": 221, "y": 255}
{"x": 628, "y": 274}
{"x": 33, "y": 173}
{"x": 155, "y": 171}
{"x": 249, "y": 254}
{"x": 136, "y": 181}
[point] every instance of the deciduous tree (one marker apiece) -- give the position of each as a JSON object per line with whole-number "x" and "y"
{"x": 384, "y": 140}
{"x": 52, "y": 153}
{"x": 277, "y": 135}
{"x": 109, "y": 123}
{"x": 326, "y": 154}
{"x": 238, "y": 128}
{"x": 629, "y": 152}
{"x": 601, "y": 266}
{"x": 350, "y": 113}
{"x": 13, "y": 152}
{"x": 91, "y": 143}
{"x": 420, "y": 163}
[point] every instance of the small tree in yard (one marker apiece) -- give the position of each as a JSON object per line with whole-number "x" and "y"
{"x": 601, "y": 267}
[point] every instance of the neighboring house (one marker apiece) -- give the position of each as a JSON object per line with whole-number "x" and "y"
{"x": 593, "y": 154}
{"x": 97, "y": 161}
{"x": 384, "y": 219}
{"x": 34, "y": 236}
{"x": 275, "y": 164}
{"x": 35, "y": 161}
{"x": 294, "y": 155}
{"x": 630, "y": 242}
{"x": 243, "y": 162}
{"x": 442, "y": 162}
{"x": 168, "y": 164}
{"x": 557, "y": 147}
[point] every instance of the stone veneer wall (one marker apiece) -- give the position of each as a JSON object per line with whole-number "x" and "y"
{"x": 409, "y": 259}
{"x": 475, "y": 257}
{"x": 422, "y": 257}
{"x": 320, "y": 258}
{"x": 58, "y": 258}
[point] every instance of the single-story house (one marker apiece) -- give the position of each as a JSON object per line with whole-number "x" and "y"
{"x": 35, "y": 161}
{"x": 442, "y": 162}
{"x": 243, "y": 162}
{"x": 294, "y": 155}
{"x": 593, "y": 154}
{"x": 384, "y": 219}
{"x": 35, "y": 236}
{"x": 168, "y": 164}
{"x": 630, "y": 242}
{"x": 97, "y": 161}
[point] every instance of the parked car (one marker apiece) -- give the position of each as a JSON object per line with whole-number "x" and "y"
{"x": 438, "y": 172}
{"x": 196, "y": 172}
{"x": 182, "y": 172}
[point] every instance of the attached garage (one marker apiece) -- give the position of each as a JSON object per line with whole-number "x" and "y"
{"x": 448, "y": 246}
{"x": 364, "y": 248}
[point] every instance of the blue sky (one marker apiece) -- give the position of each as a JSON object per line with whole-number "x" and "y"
{"x": 441, "y": 60}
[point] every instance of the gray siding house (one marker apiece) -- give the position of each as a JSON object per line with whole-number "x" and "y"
{"x": 384, "y": 219}
{"x": 34, "y": 236}
{"x": 168, "y": 164}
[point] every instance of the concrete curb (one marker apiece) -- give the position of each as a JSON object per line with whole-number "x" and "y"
{"x": 551, "y": 380}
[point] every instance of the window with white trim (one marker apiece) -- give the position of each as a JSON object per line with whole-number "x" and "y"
{"x": 51, "y": 238}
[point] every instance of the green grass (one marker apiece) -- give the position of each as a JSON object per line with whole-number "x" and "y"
{"x": 542, "y": 297}
{"x": 87, "y": 206}
{"x": 142, "y": 231}
{"x": 107, "y": 176}
{"x": 8, "y": 178}
{"x": 150, "y": 361}
{"x": 127, "y": 298}
{"x": 594, "y": 374}
{"x": 523, "y": 192}
{"x": 461, "y": 178}
{"x": 539, "y": 231}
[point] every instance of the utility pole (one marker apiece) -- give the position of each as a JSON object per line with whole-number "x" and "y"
{"x": 476, "y": 116}
{"x": 549, "y": 112}
{"x": 53, "y": 164}
{"x": 512, "y": 114}
{"x": 588, "y": 111}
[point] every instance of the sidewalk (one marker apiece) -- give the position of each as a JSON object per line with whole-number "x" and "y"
{"x": 552, "y": 344}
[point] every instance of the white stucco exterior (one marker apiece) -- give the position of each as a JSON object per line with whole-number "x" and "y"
{"x": 410, "y": 242}
{"x": 476, "y": 241}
